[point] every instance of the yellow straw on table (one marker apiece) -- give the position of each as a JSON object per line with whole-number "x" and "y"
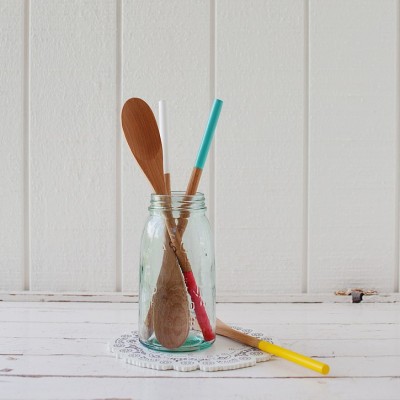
{"x": 297, "y": 358}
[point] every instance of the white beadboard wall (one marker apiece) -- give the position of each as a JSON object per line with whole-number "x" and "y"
{"x": 302, "y": 182}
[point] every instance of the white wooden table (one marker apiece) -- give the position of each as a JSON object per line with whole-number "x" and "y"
{"x": 59, "y": 351}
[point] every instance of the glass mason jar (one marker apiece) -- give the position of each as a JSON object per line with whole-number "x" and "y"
{"x": 177, "y": 275}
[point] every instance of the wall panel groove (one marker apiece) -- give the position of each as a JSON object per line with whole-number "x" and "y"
{"x": 118, "y": 148}
{"x": 396, "y": 278}
{"x": 26, "y": 130}
{"x": 211, "y": 158}
{"x": 306, "y": 170}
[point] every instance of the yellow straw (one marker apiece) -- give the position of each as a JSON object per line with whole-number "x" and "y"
{"x": 297, "y": 358}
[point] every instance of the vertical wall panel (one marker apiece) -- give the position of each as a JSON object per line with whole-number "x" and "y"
{"x": 259, "y": 146}
{"x": 352, "y": 144}
{"x": 72, "y": 143}
{"x": 11, "y": 145}
{"x": 78, "y": 195}
{"x": 166, "y": 55}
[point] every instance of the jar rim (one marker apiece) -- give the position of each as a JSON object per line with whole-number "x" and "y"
{"x": 178, "y": 194}
{"x": 177, "y": 201}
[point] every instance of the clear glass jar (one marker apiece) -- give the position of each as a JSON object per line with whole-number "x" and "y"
{"x": 177, "y": 275}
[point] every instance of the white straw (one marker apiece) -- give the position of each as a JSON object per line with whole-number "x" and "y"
{"x": 162, "y": 116}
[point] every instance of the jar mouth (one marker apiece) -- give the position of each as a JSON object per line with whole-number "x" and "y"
{"x": 177, "y": 201}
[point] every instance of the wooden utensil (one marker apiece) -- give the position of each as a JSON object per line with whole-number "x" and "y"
{"x": 191, "y": 188}
{"x": 171, "y": 318}
{"x": 197, "y": 170}
{"x": 169, "y": 314}
{"x": 307, "y": 362}
{"x": 170, "y": 306}
{"x": 200, "y": 160}
{"x": 190, "y": 191}
{"x": 183, "y": 219}
{"x": 141, "y": 132}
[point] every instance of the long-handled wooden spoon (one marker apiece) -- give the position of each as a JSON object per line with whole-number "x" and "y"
{"x": 193, "y": 182}
{"x": 170, "y": 276}
{"x": 201, "y": 159}
{"x": 170, "y": 311}
{"x": 170, "y": 308}
{"x": 141, "y": 132}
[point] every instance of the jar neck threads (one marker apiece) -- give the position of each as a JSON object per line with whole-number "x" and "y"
{"x": 177, "y": 202}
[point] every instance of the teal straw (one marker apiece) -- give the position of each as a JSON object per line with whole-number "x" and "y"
{"x": 208, "y": 134}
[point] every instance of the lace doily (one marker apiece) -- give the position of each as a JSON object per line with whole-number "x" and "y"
{"x": 224, "y": 354}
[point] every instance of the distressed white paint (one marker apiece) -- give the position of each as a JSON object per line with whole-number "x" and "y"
{"x": 291, "y": 332}
{"x": 104, "y": 364}
{"x": 303, "y": 185}
{"x": 259, "y": 146}
{"x": 225, "y": 388}
{"x": 72, "y": 143}
{"x": 11, "y": 145}
{"x": 353, "y": 141}
{"x": 89, "y": 347}
{"x": 65, "y": 345}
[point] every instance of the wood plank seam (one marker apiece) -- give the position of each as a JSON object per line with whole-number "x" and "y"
{"x": 118, "y": 147}
{"x": 306, "y": 159}
{"x": 26, "y": 150}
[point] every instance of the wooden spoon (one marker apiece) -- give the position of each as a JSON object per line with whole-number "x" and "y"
{"x": 148, "y": 153}
{"x": 141, "y": 133}
{"x": 170, "y": 308}
{"x": 184, "y": 215}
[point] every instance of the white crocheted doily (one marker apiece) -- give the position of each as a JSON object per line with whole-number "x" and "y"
{"x": 224, "y": 354}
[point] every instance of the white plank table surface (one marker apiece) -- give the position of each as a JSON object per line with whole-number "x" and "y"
{"x": 59, "y": 351}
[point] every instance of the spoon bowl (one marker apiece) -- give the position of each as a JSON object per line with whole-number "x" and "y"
{"x": 141, "y": 133}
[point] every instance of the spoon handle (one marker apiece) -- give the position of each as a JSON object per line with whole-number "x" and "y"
{"x": 167, "y": 180}
{"x": 175, "y": 232}
{"x": 300, "y": 359}
{"x": 191, "y": 189}
{"x": 201, "y": 159}
{"x": 149, "y": 318}
{"x": 186, "y": 268}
